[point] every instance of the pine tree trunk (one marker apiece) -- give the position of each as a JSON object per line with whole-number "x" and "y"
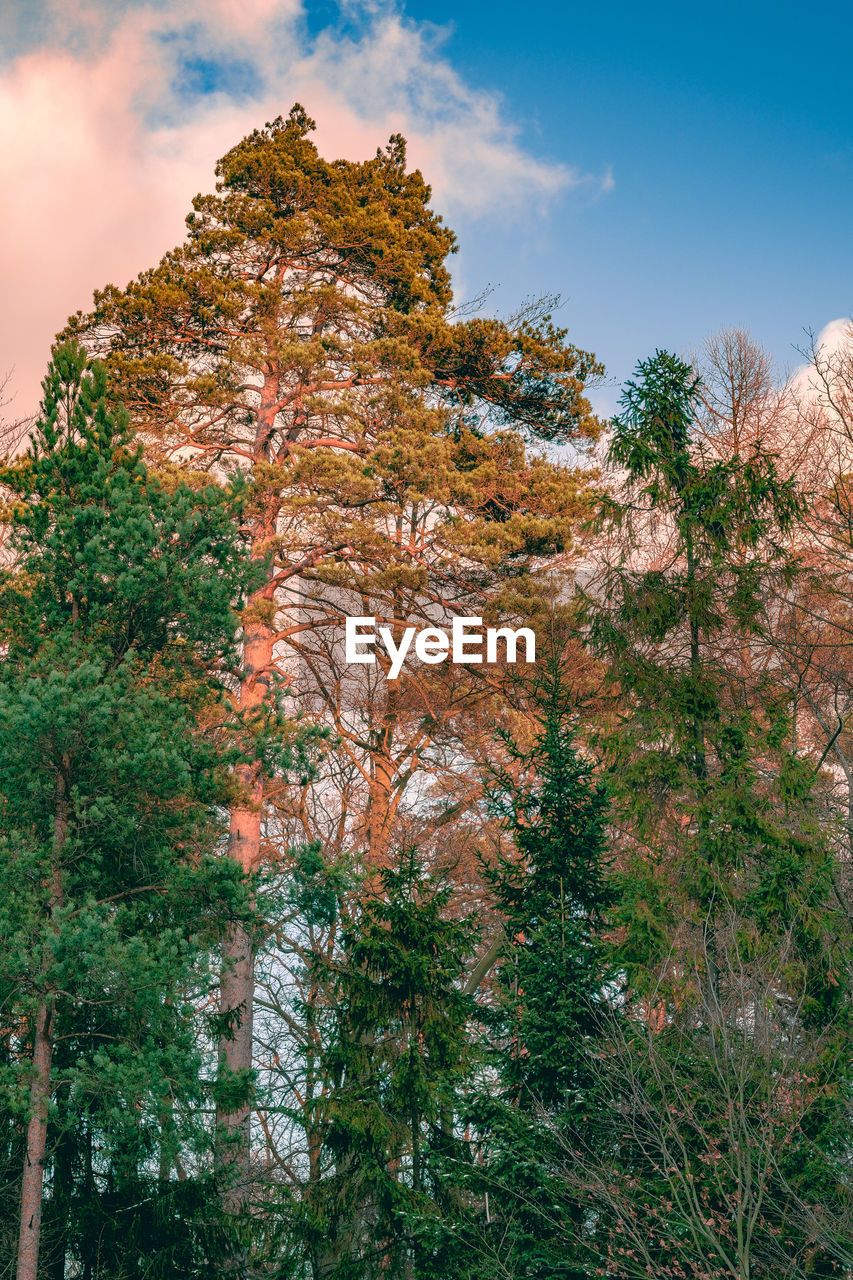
{"x": 29, "y": 1237}
{"x": 32, "y": 1183}
{"x": 381, "y": 805}
{"x": 237, "y": 983}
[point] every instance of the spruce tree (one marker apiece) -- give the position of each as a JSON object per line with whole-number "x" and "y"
{"x": 537, "y": 1092}
{"x": 394, "y": 1035}
{"x": 699, "y": 746}
{"x": 731, "y": 948}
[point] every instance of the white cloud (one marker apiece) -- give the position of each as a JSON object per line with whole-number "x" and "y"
{"x": 109, "y": 129}
{"x": 834, "y": 339}
{"x": 835, "y": 336}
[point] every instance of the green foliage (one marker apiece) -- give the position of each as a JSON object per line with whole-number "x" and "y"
{"x": 730, "y": 939}
{"x": 655, "y": 1079}
{"x": 552, "y": 891}
{"x": 537, "y": 1090}
{"x": 117, "y": 630}
{"x": 304, "y": 333}
{"x": 699, "y": 748}
{"x": 395, "y": 1051}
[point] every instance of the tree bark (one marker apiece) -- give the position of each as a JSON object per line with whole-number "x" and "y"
{"x": 381, "y": 806}
{"x": 32, "y": 1183}
{"x": 237, "y": 982}
{"x": 32, "y": 1186}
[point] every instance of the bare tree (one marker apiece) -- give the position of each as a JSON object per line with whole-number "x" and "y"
{"x": 13, "y": 431}
{"x": 711, "y": 1162}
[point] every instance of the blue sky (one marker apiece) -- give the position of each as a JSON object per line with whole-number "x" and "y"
{"x": 667, "y": 169}
{"x": 728, "y": 130}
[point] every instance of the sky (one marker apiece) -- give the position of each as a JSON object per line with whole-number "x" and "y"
{"x": 666, "y": 169}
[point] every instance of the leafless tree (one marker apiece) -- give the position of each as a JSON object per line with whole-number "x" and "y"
{"x": 713, "y": 1105}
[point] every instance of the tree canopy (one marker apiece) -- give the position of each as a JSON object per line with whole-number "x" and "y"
{"x": 508, "y": 969}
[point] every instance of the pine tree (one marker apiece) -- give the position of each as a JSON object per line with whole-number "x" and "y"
{"x": 117, "y": 627}
{"x": 305, "y": 333}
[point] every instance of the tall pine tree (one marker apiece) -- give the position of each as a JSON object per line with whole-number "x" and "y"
{"x": 117, "y": 628}
{"x": 305, "y": 332}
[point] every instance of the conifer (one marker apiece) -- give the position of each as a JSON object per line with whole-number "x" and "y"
{"x": 117, "y": 628}
{"x": 305, "y": 333}
{"x": 537, "y": 1090}
{"x": 730, "y": 941}
{"x": 394, "y": 1035}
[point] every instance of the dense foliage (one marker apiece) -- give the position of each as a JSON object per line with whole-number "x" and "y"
{"x": 487, "y": 971}
{"x": 117, "y": 628}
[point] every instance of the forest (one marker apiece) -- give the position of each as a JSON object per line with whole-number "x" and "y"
{"x": 494, "y": 970}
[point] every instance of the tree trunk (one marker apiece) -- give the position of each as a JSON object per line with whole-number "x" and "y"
{"x": 237, "y": 983}
{"x": 700, "y": 765}
{"x": 236, "y": 999}
{"x": 381, "y": 806}
{"x": 32, "y": 1183}
{"x": 29, "y": 1237}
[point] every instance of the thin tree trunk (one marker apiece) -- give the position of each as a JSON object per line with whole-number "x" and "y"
{"x": 700, "y": 765}
{"x": 236, "y": 999}
{"x": 32, "y": 1183}
{"x": 381, "y": 807}
{"x": 237, "y": 982}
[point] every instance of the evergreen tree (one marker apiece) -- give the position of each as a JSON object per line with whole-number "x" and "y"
{"x": 305, "y": 333}
{"x": 731, "y": 947}
{"x": 116, "y": 622}
{"x": 395, "y": 1044}
{"x": 537, "y": 1092}
{"x": 700, "y": 746}
{"x": 677, "y": 618}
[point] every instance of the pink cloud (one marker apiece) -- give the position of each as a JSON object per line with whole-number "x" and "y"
{"x": 103, "y": 152}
